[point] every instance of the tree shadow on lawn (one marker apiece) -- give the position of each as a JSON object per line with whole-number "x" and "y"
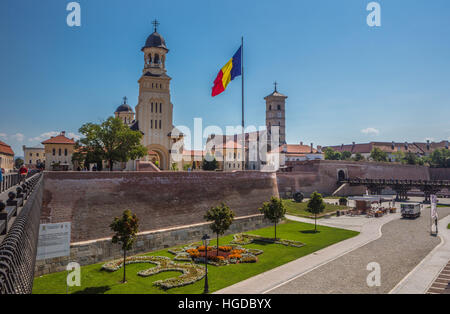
{"x": 94, "y": 290}
{"x": 261, "y": 242}
{"x": 309, "y": 231}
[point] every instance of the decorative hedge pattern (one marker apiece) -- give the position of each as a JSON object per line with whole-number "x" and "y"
{"x": 244, "y": 239}
{"x": 190, "y": 272}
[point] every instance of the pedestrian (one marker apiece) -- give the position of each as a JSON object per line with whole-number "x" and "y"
{"x": 23, "y": 172}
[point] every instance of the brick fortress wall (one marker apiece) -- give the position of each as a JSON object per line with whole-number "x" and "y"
{"x": 90, "y": 200}
{"x": 322, "y": 176}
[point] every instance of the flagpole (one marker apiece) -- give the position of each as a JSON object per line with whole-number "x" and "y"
{"x": 243, "y": 121}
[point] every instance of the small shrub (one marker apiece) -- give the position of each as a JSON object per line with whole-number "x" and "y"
{"x": 298, "y": 197}
{"x": 225, "y": 248}
{"x": 234, "y": 256}
{"x": 249, "y": 259}
{"x": 217, "y": 258}
{"x": 194, "y": 253}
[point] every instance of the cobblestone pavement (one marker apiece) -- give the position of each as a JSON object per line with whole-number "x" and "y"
{"x": 400, "y": 249}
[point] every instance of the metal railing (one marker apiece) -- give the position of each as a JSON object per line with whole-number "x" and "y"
{"x": 18, "y": 248}
{"x": 12, "y": 179}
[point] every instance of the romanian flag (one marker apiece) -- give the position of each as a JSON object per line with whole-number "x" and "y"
{"x": 231, "y": 70}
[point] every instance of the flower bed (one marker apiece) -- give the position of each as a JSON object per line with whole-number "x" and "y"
{"x": 244, "y": 239}
{"x": 190, "y": 272}
{"x": 232, "y": 254}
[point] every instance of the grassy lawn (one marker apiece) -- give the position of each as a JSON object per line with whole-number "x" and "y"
{"x": 94, "y": 280}
{"x": 443, "y": 205}
{"x": 448, "y": 227}
{"x": 299, "y": 209}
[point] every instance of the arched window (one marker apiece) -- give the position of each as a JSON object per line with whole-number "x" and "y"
{"x": 270, "y": 108}
{"x": 157, "y": 61}
{"x": 160, "y": 107}
{"x": 279, "y": 107}
{"x": 54, "y": 152}
{"x": 59, "y": 152}
{"x": 160, "y": 124}
{"x": 341, "y": 175}
{"x": 152, "y": 107}
{"x": 65, "y": 152}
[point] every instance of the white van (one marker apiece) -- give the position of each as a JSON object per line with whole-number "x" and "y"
{"x": 411, "y": 210}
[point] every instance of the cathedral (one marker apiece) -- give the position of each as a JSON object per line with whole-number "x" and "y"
{"x": 154, "y": 111}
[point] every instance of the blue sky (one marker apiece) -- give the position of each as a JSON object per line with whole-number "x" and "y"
{"x": 341, "y": 76}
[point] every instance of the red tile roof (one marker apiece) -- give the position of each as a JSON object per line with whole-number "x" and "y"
{"x": 294, "y": 149}
{"x": 229, "y": 145}
{"x": 60, "y": 139}
{"x": 357, "y": 148}
{"x": 6, "y": 149}
{"x": 389, "y": 147}
{"x": 193, "y": 152}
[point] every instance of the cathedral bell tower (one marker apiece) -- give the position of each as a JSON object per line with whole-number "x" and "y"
{"x": 276, "y": 114}
{"x": 155, "y": 110}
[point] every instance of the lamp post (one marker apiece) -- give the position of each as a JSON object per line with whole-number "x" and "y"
{"x": 205, "y": 240}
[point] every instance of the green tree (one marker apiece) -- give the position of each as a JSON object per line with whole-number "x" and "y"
{"x": 346, "y": 155}
{"x": 125, "y": 232}
{"x": 18, "y": 163}
{"x": 222, "y": 217}
{"x": 398, "y": 156}
{"x": 274, "y": 211}
{"x": 209, "y": 163}
{"x": 378, "y": 155}
{"x": 411, "y": 159}
{"x": 358, "y": 157}
{"x": 331, "y": 154}
{"x": 440, "y": 158}
{"x": 112, "y": 141}
{"x": 315, "y": 206}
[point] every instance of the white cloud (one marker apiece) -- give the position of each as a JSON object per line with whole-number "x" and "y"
{"x": 47, "y": 135}
{"x": 43, "y": 136}
{"x": 76, "y": 137}
{"x": 370, "y": 131}
{"x": 3, "y": 135}
{"x": 19, "y": 137}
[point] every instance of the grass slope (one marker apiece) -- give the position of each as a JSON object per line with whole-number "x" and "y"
{"x": 94, "y": 280}
{"x": 299, "y": 209}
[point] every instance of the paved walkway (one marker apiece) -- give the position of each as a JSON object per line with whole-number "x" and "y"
{"x": 265, "y": 282}
{"x": 422, "y": 277}
{"x": 402, "y": 246}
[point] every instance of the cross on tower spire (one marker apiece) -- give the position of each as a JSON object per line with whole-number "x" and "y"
{"x": 155, "y": 24}
{"x": 275, "y": 84}
{"x": 125, "y": 100}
